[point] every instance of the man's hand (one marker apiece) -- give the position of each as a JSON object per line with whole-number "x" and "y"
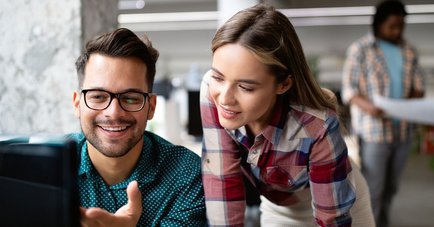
{"x": 374, "y": 111}
{"x": 367, "y": 106}
{"x": 128, "y": 215}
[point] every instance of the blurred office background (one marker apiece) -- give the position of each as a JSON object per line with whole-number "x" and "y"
{"x": 41, "y": 40}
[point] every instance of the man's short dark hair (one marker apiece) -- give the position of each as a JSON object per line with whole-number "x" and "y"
{"x": 386, "y": 9}
{"x": 120, "y": 43}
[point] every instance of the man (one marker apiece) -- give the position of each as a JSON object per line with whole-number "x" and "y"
{"x": 128, "y": 176}
{"x": 383, "y": 64}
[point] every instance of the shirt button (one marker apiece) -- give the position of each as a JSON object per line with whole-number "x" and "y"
{"x": 255, "y": 152}
{"x": 207, "y": 160}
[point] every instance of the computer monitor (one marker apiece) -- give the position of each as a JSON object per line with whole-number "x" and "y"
{"x": 194, "y": 118}
{"x": 38, "y": 183}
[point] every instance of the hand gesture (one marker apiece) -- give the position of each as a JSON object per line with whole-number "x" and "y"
{"x": 128, "y": 215}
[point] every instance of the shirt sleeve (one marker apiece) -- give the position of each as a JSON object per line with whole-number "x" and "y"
{"x": 418, "y": 78}
{"x": 221, "y": 171}
{"x": 188, "y": 208}
{"x": 351, "y": 73}
{"x": 332, "y": 191}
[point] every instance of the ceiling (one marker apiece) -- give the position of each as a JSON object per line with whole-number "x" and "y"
{"x": 182, "y": 29}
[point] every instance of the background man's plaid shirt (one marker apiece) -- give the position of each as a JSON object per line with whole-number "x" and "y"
{"x": 365, "y": 73}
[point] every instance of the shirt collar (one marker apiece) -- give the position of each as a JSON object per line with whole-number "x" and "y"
{"x": 85, "y": 163}
{"x": 373, "y": 41}
{"x": 86, "y": 167}
{"x": 273, "y": 130}
{"x": 147, "y": 166}
{"x": 370, "y": 39}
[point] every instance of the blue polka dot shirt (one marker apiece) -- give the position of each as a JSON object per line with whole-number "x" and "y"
{"x": 169, "y": 179}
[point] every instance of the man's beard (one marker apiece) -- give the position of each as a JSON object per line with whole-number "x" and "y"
{"x": 122, "y": 147}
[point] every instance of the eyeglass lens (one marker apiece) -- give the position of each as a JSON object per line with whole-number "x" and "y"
{"x": 129, "y": 101}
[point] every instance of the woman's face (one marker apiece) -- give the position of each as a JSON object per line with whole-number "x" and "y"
{"x": 242, "y": 88}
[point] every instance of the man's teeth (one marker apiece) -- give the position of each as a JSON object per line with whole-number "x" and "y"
{"x": 114, "y": 129}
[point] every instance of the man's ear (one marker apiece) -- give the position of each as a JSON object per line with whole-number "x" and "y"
{"x": 152, "y": 100}
{"x": 284, "y": 86}
{"x": 76, "y": 103}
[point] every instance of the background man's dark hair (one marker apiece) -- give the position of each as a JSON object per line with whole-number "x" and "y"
{"x": 386, "y": 9}
{"x": 120, "y": 43}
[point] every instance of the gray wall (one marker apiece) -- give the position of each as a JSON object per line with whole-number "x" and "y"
{"x": 40, "y": 43}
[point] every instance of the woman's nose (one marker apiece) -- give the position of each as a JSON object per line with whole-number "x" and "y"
{"x": 227, "y": 96}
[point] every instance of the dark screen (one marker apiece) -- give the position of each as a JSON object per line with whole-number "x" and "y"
{"x": 38, "y": 184}
{"x": 194, "y": 118}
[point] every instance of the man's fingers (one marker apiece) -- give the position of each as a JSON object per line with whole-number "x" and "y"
{"x": 83, "y": 218}
{"x": 83, "y": 211}
{"x": 98, "y": 214}
{"x": 127, "y": 215}
{"x": 134, "y": 197}
{"x": 95, "y": 217}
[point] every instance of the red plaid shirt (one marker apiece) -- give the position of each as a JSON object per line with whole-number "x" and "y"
{"x": 301, "y": 149}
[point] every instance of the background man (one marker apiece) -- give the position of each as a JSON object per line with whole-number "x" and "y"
{"x": 382, "y": 63}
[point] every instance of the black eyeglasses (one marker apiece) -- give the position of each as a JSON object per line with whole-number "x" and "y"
{"x": 131, "y": 101}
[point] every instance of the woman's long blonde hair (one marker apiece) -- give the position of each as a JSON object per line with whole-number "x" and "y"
{"x": 272, "y": 38}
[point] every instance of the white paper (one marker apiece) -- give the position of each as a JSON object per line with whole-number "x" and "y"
{"x": 420, "y": 110}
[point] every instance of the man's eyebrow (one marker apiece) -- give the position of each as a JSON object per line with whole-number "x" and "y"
{"x": 123, "y": 91}
{"x": 133, "y": 90}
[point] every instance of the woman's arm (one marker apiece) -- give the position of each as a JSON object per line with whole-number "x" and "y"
{"x": 332, "y": 192}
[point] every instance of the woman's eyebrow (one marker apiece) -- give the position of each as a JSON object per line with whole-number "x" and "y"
{"x": 247, "y": 81}
{"x": 216, "y": 71}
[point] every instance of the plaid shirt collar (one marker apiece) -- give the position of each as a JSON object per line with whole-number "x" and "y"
{"x": 272, "y": 131}
{"x": 373, "y": 41}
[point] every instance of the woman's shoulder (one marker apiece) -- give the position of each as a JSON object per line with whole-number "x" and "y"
{"x": 303, "y": 121}
{"x": 301, "y": 111}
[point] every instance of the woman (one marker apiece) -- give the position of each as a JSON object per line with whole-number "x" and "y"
{"x": 264, "y": 116}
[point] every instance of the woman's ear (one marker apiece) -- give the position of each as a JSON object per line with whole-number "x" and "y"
{"x": 284, "y": 86}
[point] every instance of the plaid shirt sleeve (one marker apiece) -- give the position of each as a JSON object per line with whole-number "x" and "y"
{"x": 418, "y": 82}
{"x": 329, "y": 168}
{"x": 352, "y": 72}
{"x": 221, "y": 171}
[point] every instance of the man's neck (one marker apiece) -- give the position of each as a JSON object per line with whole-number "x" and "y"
{"x": 115, "y": 170}
{"x": 394, "y": 42}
